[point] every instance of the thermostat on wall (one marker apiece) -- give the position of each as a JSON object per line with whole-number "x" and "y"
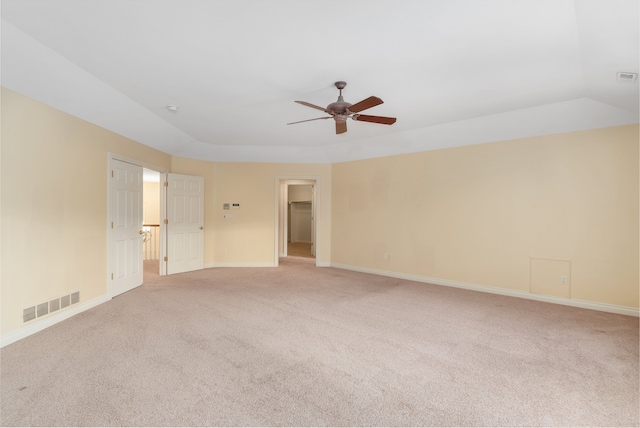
{"x": 235, "y": 206}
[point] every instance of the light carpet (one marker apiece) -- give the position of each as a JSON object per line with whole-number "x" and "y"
{"x": 299, "y": 345}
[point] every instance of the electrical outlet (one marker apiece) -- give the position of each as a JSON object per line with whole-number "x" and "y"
{"x": 563, "y": 279}
{"x": 387, "y": 257}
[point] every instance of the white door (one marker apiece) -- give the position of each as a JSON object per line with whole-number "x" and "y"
{"x": 126, "y": 227}
{"x": 185, "y": 226}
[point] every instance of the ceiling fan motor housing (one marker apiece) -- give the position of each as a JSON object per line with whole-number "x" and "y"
{"x": 339, "y": 107}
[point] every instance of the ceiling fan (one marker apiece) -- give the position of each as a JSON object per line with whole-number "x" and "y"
{"x": 341, "y": 110}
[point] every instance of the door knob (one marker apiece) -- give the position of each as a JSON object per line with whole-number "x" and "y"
{"x": 201, "y": 227}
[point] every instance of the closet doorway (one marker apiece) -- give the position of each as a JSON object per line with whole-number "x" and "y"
{"x": 300, "y": 221}
{"x": 296, "y": 217}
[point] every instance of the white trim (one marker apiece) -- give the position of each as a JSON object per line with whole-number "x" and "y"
{"x": 42, "y": 323}
{"x": 585, "y": 304}
{"x": 254, "y": 264}
{"x": 162, "y": 265}
{"x": 280, "y": 193}
{"x": 282, "y": 198}
{"x": 137, "y": 162}
{"x": 239, "y": 264}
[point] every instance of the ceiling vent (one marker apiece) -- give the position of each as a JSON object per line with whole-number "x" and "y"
{"x": 627, "y": 77}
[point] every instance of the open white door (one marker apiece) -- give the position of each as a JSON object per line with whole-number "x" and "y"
{"x": 126, "y": 227}
{"x": 185, "y": 223}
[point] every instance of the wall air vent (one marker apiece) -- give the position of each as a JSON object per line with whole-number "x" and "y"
{"x": 29, "y": 314}
{"x": 627, "y": 77}
{"x": 46, "y": 308}
{"x": 43, "y": 309}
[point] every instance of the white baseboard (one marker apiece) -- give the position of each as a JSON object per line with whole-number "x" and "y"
{"x": 604, "y": 307}
{"x": 239, "y": 264}
{"x": 254, "y": 264}
{"x": 41, "y": 323}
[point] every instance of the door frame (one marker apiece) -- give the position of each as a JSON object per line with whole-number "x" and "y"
{"x": 282, "y": 183}
{"x": 163, "y": 207}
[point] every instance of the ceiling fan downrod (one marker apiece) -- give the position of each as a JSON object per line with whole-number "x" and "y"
{"x": 339, "y": 107}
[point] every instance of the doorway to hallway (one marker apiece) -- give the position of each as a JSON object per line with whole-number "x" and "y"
{"x": 151, "y": 209}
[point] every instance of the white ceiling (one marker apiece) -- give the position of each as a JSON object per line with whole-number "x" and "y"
{"x": 454, "y": 72}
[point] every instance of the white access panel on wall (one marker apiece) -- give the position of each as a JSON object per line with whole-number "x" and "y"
{"x": 126, "y": 227}
{"x": 185, "y": 223}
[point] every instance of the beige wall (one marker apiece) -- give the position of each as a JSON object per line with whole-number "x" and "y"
{"x": 151, "y": 195}
{"x": 300, "y": 193}
{"x": 248, "y": 237}
{"x": 54, "y": 204}
{"x": 478, "y": 214}
{"x": 151, "y": 210}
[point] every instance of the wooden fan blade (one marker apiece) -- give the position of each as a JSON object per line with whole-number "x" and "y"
{"x": 374, "y": 119}
{"x": 365, "y": 104}
{"x": 341, "y": 127}
{"x": 309, "y": 120}
{"x": 304, "y": 103}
